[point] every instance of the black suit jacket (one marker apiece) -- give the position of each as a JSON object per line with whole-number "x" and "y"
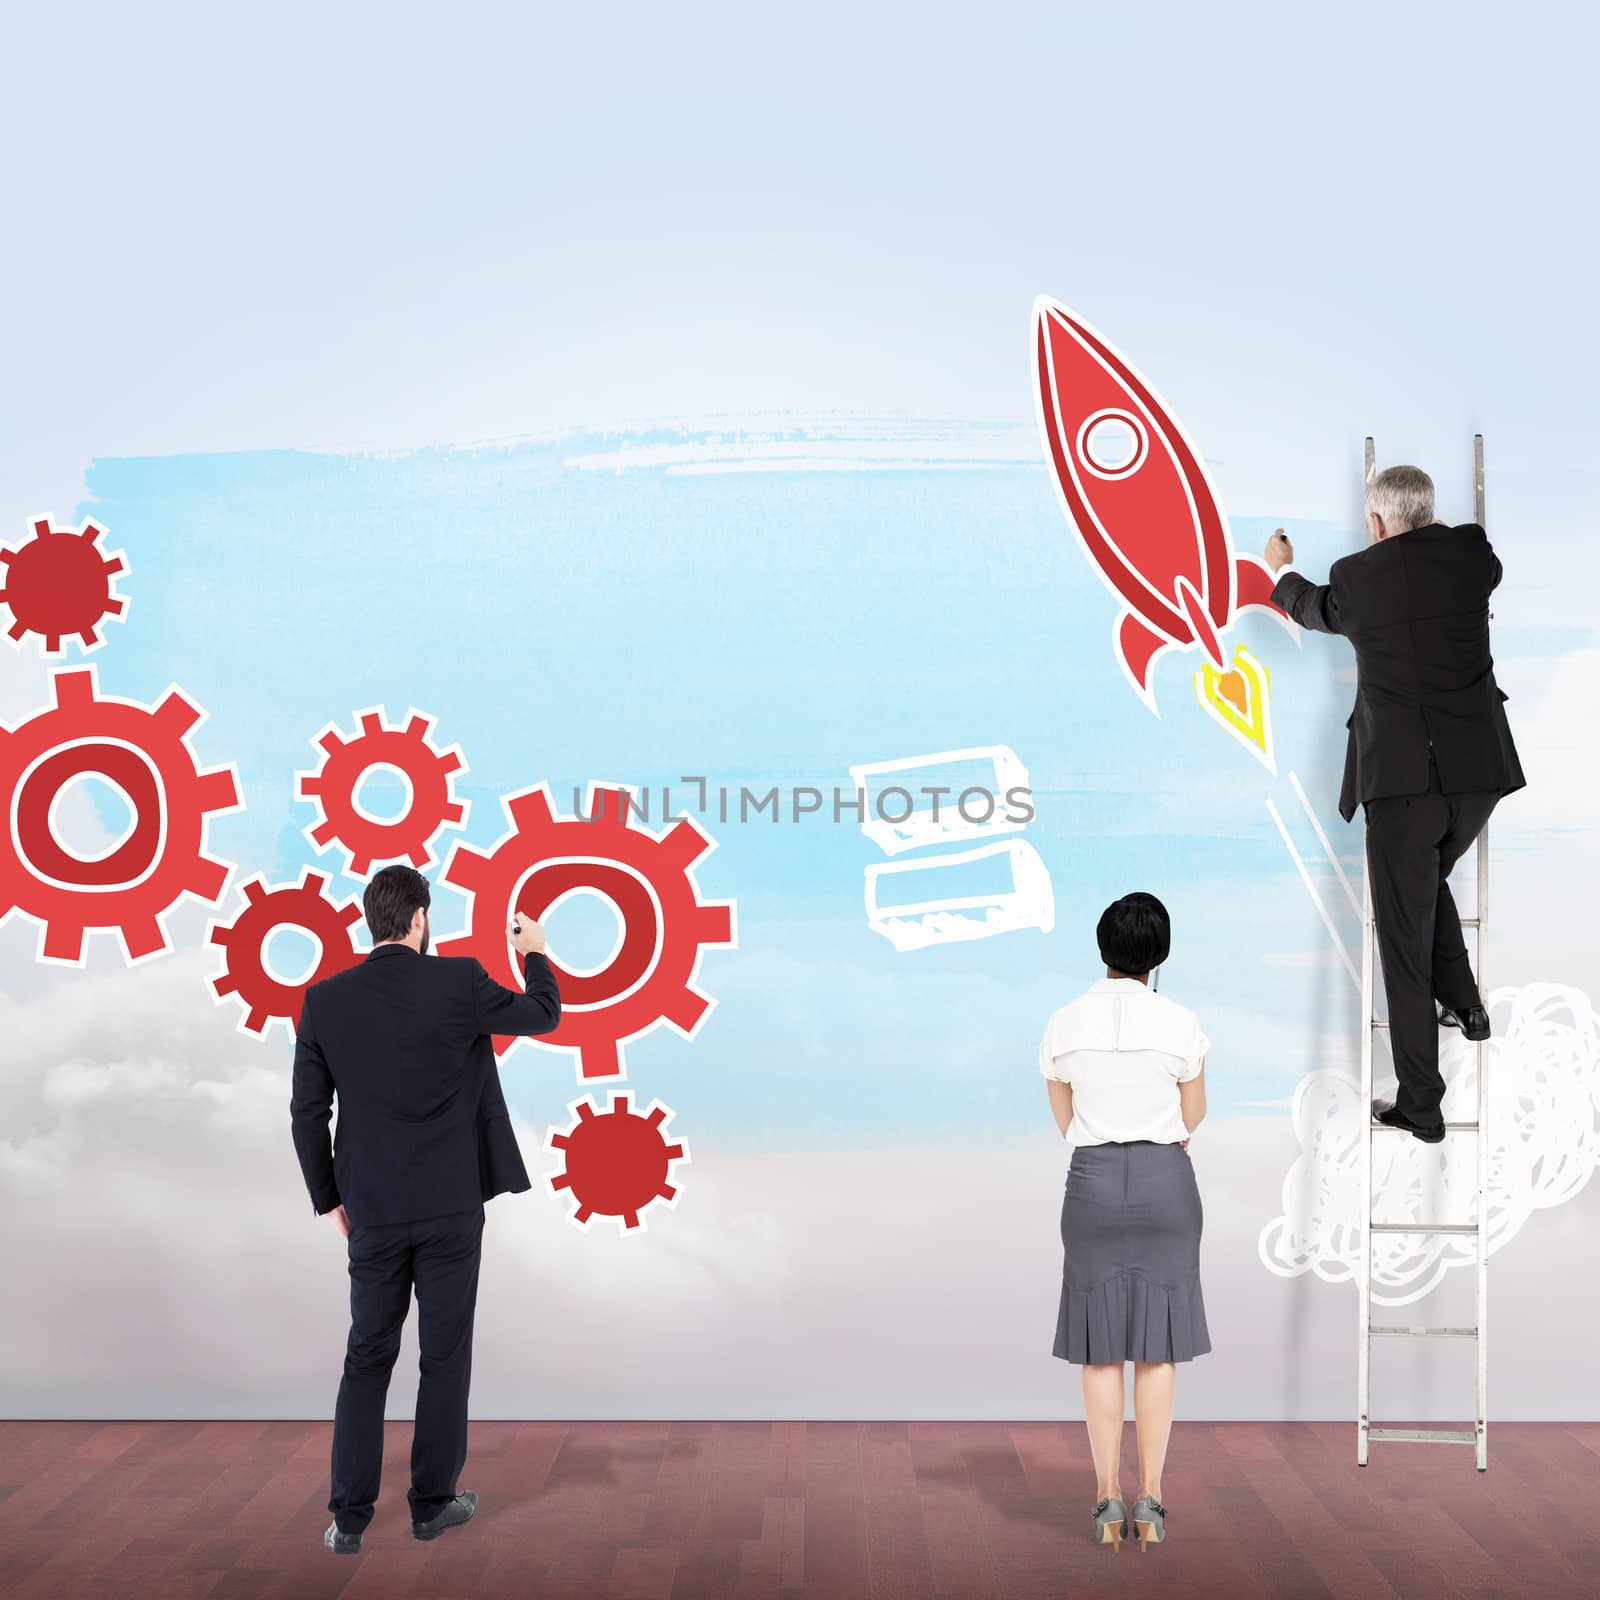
{"x": 1416, "y": 608}
{"x": 404, "y": 1041}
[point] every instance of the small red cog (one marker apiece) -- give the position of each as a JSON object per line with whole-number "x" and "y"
{"x": 618, "y": 1161}
{"x": 144, "y": 752}
{"x": 266, "y": 997}
{"x": 649, "y": 880}
{"x": 58, "y": 583}
{"x": 429, "y": 772}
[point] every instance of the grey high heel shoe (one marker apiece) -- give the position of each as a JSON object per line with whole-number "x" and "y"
{"x": 1149, "y": 1520}
{"x": 1110, "y": 1523}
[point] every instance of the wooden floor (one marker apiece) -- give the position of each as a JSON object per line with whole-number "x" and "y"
{"x": 835, "y": 1510}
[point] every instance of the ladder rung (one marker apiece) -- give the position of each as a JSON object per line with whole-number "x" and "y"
{"x": 1449, "y": 1127}
{"x": 1425, "y": 1435}
{"x": 1383, "y": 1022}
{"x": 1466, "y": 922}
{"x": 1423, "y": 1227}
{"x": 1422, "y": 1333}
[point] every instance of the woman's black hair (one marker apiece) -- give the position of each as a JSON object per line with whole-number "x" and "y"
{"x": 1134, "y": 934}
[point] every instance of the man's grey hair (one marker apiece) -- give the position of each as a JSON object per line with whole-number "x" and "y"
{"x": 1402, "y": 496}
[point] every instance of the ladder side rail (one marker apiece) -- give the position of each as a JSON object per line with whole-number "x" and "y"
{"x": 1364, "y": 1265}
{"x": 1364, "y": 1259}
{"x": 1481, "y": 1425}
{"x": 1481, "y": 922}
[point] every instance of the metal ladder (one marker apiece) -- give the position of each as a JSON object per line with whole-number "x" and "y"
{"x": 1478, "y": 1435}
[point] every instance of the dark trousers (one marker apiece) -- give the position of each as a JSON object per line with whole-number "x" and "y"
{"x": 439, "y": 1258}
{"x": 1413, "y": 840}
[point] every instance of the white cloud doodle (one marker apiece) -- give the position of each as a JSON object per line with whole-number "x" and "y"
{"x": 1544, "y": 1121}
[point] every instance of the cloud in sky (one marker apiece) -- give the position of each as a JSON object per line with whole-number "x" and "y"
{"x": 170, "y": 1264}
{"x": 1544, "y": 1117}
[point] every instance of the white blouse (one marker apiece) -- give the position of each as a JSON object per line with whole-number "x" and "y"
{"x": 1124, "y": 1050}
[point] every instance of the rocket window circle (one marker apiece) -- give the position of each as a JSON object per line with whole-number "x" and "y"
{"x": 1112, "y": 443}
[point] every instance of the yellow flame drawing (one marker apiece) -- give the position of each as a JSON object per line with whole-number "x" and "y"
{"x": 1238, "y": 702}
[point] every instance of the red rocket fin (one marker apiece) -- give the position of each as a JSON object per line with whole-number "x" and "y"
{"x": 1137, "y": 646}
{"x": 1253, "y": 584}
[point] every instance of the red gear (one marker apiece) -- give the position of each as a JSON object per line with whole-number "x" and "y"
{"x": 648, "y": 879}
{"x": 244, "y": 941}
{"x": 617, "y": 1162}
{"x": 145, "y": 752}
{"x": 58, "y": 583}
{"x": 332, "y": 788}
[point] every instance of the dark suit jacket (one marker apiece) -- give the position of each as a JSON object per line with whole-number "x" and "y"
{"x": 1416, "y": 609}
{"x": 404, "y": 1041}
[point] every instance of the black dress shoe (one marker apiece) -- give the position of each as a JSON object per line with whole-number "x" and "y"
{"x": 342, "y": 1544}
{"x": 1384, "y": 1111}
{"x": 1473, "y": 1022}
{"x": 457, "y": 1511}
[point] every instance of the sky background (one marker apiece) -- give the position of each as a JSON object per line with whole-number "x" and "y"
{"x": 381, "y": 348}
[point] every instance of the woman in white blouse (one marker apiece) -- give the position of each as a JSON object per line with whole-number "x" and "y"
{"x": 1126, "y": 1073}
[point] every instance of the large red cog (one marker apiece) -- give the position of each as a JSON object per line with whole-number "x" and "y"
{"x": 648, "y": 878}
{"x": 144, "y": 751}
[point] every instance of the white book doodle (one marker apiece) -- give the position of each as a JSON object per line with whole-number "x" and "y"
{"x": 943, "y": 798}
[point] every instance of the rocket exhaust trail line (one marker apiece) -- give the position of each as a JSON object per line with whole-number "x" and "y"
{"x": 1327, "y": 849}
{"x": 1311, "y": 888}
{"x": 1148, "y": 517}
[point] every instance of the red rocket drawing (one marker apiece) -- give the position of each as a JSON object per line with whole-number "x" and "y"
{"x": 1148, "y": 516}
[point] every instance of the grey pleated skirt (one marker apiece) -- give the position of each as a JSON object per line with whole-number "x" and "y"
{"x": 1130, "y": 1227}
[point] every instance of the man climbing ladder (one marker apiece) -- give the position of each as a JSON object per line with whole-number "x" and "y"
{"x": 1428, "y": 757}
{"x": 1429, "y": 754}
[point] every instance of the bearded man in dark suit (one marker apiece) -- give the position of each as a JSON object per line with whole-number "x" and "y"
{"x": 1428, "y": 757}
{"x": 404, "y": 1042}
